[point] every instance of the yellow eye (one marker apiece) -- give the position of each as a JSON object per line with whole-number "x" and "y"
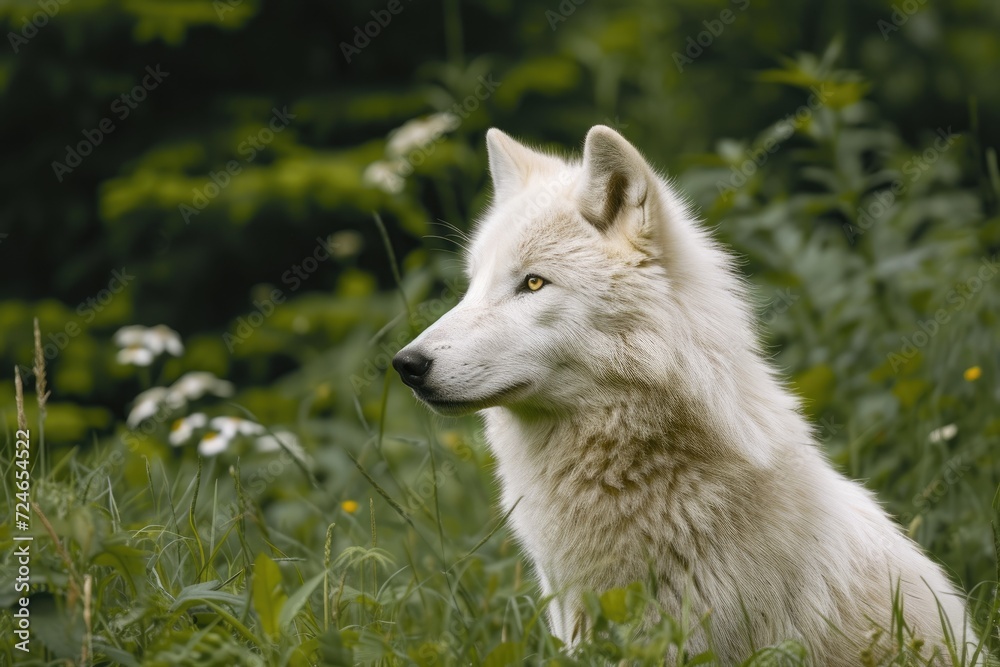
{"x": 534, "y": 283}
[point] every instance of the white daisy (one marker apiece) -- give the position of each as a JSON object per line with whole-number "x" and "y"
{"x": 192, "y": 386}
{"x": 161, "y": 337}
{"x": 213, "y": 443}
{"x": 384, "y": 176}
{"x": 230, "y": 427}
{"x": 135, "y": 355}
{"x": 943, "y": 434}
{"x": 129, "y": 336}
{"x": 156, "y": 340}
{"x": 419, "y": 132}
{"x": 182, "y": 429}
{"x": 224, "y": 431}
{"x": 146, "y": 405}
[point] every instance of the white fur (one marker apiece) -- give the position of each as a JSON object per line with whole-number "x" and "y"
{"x": 635, "y": 420}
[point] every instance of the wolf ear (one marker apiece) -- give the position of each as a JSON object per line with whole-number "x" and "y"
{"x": 616, "y": 181}
{"x": 512, "y": 163}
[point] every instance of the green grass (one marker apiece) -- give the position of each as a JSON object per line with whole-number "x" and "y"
{"x": 158, "y": 557}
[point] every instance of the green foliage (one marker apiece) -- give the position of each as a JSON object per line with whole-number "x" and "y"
{"x": 364, "y": 531}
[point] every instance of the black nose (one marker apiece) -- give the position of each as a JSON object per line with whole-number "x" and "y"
{"x": 412, "y": 366}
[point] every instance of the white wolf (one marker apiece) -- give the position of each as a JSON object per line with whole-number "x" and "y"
{"x": 607, "y": 342}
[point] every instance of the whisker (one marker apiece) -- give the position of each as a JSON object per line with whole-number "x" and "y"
{"x": 450, "y": 240}
{"x": 462, "y": 234}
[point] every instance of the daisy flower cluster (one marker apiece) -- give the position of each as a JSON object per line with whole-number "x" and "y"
{"x": 404, "y": 145}
{"x": 218, "y": 433}
{"x": 214, "y": 434}
{"x": 188, "y": 388}
{"x": 141, "y": 345}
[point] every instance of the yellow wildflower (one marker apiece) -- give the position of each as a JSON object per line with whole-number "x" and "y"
{"x": 349, "y": 506}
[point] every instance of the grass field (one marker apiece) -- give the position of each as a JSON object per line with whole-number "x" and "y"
{"x": 371, "y": 537}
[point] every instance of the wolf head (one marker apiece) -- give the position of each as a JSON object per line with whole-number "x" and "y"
{"x": 583, "y": 275}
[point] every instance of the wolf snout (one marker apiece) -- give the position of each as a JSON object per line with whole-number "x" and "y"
{"x": 412, "y": 366}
